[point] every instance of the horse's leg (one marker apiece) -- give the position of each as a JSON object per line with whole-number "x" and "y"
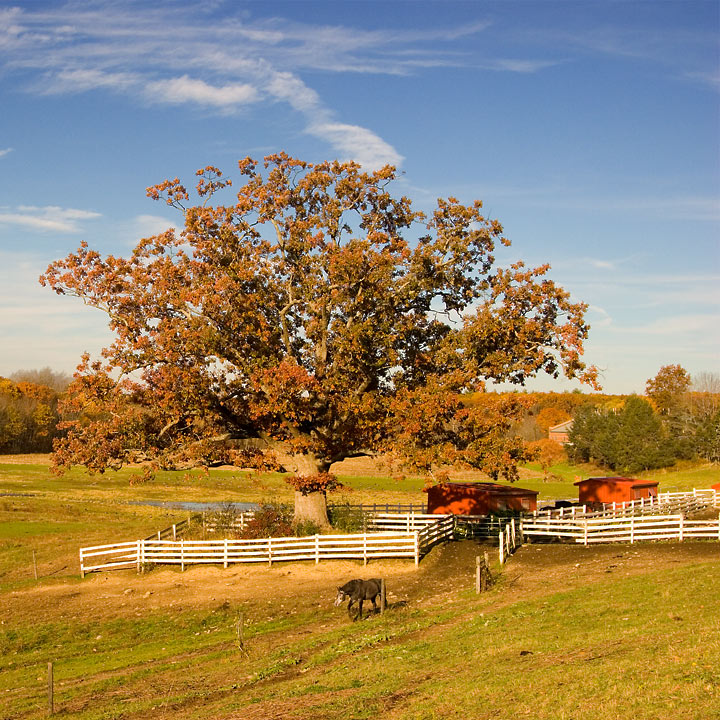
{"x": 349, "y": 606}
{"x": 375, "y": 607}
{"x": 360, "y": 604}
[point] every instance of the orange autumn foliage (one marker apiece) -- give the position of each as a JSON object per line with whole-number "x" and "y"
{"x": 311, "y": 308}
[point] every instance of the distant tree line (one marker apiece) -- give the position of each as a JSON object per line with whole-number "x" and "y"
{"x": 29, "y": 415}
{"x": 679, "y": 420}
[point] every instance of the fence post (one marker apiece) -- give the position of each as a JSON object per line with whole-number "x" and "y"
{"x": 417, "y": 548}
{"x": 137, "y": 555}
{"x": 51, "y": 689}
{"x": 680, "y": 528}
{"x": 317, "y": 549}
{"x": 383, "y": 600}
{"x": 585, "y": 541}
{"x": 182, "y": 556}
{"x": 501, "y": 537}
{"x": 82, "y": 566}
{"x": 269, "y": 552}
{"x": 632, "y": 529}
{"x": 225, "y": 554}
{"x": 174, "y": 532}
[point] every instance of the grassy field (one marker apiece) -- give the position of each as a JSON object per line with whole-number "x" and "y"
{"x": 641, "y": 644}
{"x": 567, "y": 632}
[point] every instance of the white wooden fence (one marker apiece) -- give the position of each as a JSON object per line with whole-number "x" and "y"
{"x": 411, "y": 534}
{"x": 633, "y": 528}
{"x": 392, "y": 543}
{"x": 663, "y": 504}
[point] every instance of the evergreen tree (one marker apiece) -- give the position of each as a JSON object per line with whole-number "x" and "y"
{"x": 639, "y": 441}
{"x": 707, "y": 438}
{"x": 627, "y": 441}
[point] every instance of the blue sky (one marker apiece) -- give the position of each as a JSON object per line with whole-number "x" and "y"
{"x": 591, "y": 130}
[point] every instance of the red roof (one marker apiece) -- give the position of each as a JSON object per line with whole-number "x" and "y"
{"x": 633, "y": 482}
{"x": 487, "y": 487}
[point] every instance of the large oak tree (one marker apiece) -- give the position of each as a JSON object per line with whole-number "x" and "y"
{"x": 315, "y": 309}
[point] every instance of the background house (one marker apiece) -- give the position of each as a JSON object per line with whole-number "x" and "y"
{"x": 559, "y": 433}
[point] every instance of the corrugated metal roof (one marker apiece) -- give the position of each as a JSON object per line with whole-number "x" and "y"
{"x": 494, "y": 488}
{"x": 633, "y": 482}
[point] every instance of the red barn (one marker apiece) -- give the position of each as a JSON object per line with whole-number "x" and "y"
{"x": 615, "y": 489}
{"x": 476, "y": 498}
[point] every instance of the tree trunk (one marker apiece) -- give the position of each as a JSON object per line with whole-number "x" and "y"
{"x": 311, "y": 508}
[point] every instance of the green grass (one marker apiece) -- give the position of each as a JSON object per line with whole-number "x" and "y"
{"x": 645, "y": 647}
{"x": 55, "y": 516}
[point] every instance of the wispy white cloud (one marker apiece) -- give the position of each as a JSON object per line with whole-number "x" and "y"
{"x": 356, "y": 143}
{"x": 83, "y": 80}
{"x": 6, "y": 151}
{"x": 683, "y": 52}
{"x": 149, "y": 225}
{"x": 48, "y": 219}
{"x": 598, "y": 317}
{"x": 520, "y": 66}
{"x": 712, "y": 79}
{"x": 289, "y": 88}
{"x": 156, "y": 55}
{"x": 186, "y": 89}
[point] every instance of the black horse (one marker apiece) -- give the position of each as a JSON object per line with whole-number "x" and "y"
{"x": 357, "y": 591}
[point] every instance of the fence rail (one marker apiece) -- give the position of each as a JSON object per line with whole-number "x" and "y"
{"x": 396, "y": 535}
{"x": 665, "y": 503}
{"x": 365, "y": 547}
{"x": 622, "y": 529}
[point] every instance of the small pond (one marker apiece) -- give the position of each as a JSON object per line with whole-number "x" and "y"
{"x": 198, "y": 506}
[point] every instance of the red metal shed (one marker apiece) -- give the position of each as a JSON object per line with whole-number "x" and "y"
{"x": 478, "y": 498}
{"x": 615, "y": 489}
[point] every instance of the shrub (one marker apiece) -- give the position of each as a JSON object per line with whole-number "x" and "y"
{"x": 271, "y": 520}
{"x": 345, "y": 518}
{"x": 305, "y": 528}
